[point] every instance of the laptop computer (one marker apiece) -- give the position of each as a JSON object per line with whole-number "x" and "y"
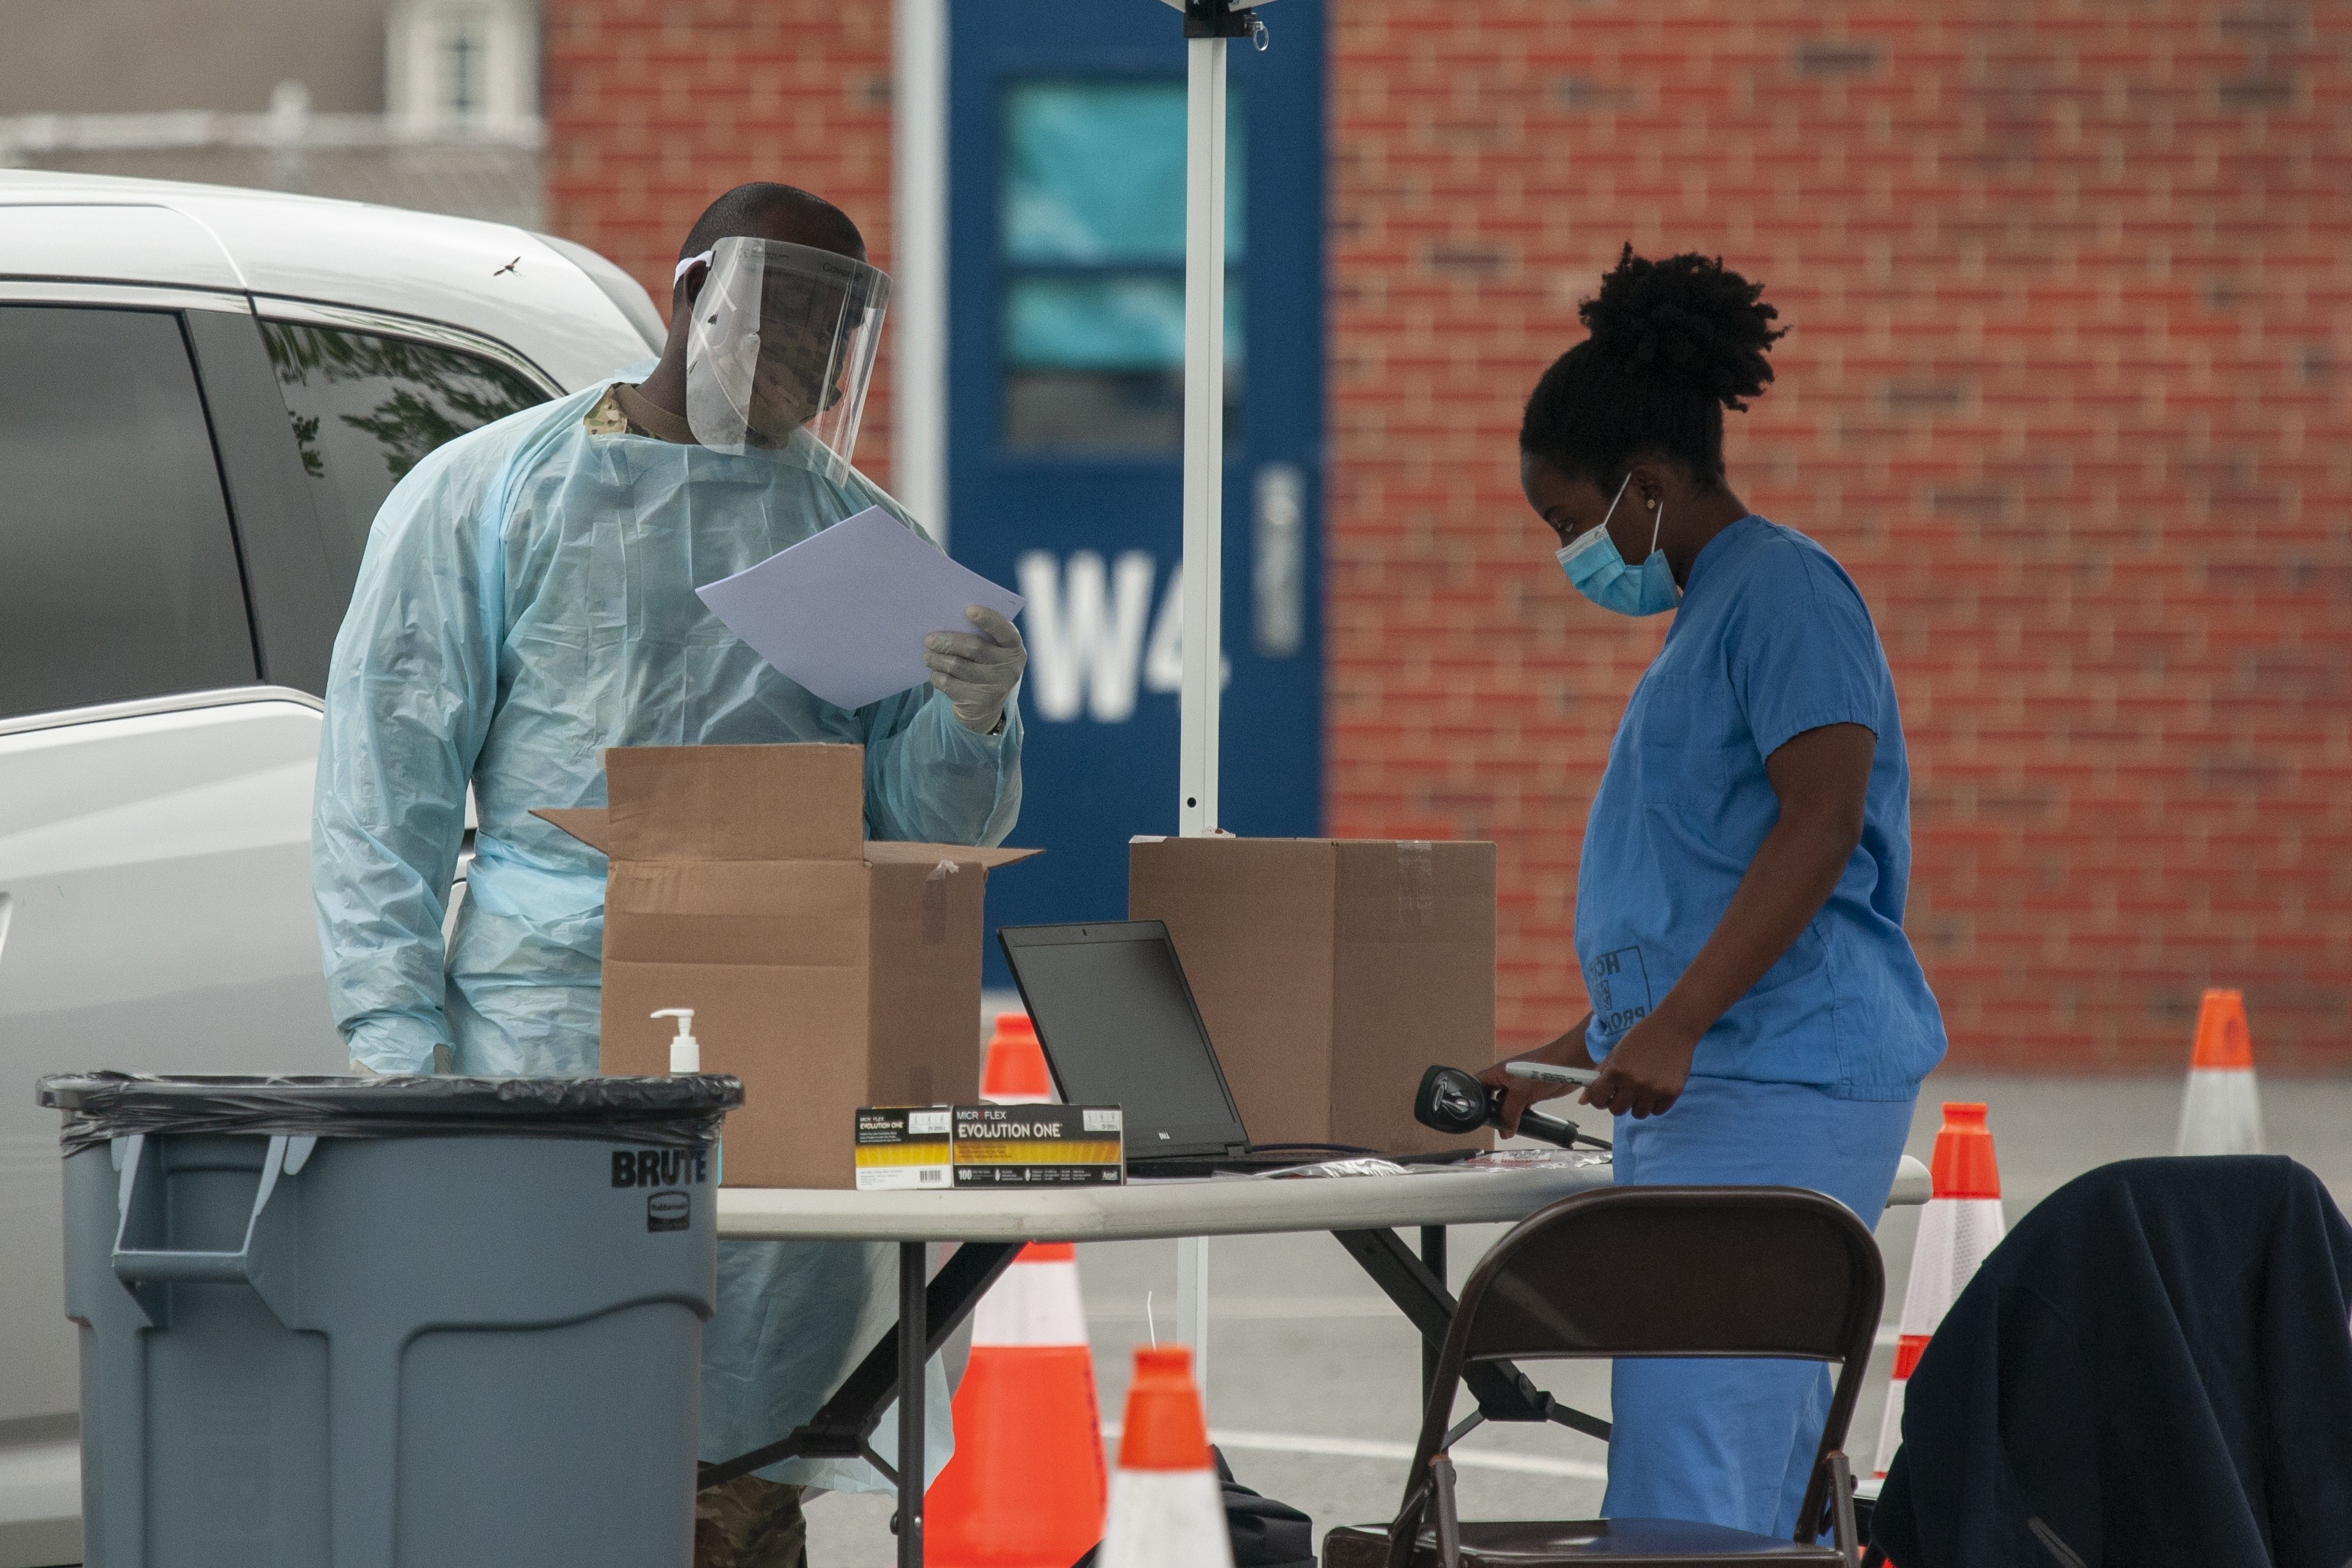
{"x": 1120, "y": 1027}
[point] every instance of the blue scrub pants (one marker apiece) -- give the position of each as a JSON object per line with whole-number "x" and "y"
{"x": 1730, "y": 1442}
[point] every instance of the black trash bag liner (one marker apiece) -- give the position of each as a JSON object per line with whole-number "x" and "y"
{"x": 680, "y": 1112}
{"x": 1266, "y": 1533}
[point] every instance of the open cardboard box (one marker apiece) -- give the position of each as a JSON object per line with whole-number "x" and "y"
{"x": 826, "y": 970}
{"x": 1331, "y": 972}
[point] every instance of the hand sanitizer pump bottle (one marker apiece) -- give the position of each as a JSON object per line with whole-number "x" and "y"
{"x": 686, "y": 1051}
{"x": 686, "y": 1055}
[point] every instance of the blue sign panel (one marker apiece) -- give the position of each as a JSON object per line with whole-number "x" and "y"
{"x": 1065, "y": 420}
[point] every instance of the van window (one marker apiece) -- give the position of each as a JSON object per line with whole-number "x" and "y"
{"x": 117, "y": 569}
{"x": 365, "y": 409}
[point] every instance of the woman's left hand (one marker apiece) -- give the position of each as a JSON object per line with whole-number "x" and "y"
{"x": 1644, "y": 1073}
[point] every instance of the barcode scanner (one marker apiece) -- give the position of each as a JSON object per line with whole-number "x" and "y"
{"x": 1453, "y": 1101}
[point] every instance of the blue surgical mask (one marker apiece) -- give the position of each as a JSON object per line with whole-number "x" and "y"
{"x": 1601, "y": 575}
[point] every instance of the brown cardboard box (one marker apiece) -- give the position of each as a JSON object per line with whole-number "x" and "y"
{"x": 826, "y": 971}
{"x": 1330, "y": 972}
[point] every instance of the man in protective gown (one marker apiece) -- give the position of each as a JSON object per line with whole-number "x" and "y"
{"x": 527, "y": 600}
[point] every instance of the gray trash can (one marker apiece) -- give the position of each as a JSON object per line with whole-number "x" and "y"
{"x": 340, "y": 1323}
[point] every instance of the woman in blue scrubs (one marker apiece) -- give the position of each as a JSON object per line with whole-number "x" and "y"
{"x": 1758, "y": 1016}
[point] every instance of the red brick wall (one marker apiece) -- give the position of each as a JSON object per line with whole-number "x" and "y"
{"x": 654, "y": 107}
{"x": 2067, "y": 391}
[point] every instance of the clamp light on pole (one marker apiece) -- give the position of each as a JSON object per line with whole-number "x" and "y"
{"x": 1220, "y": 19}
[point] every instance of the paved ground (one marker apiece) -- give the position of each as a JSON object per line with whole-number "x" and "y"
{"x": 1313, "y": 1379}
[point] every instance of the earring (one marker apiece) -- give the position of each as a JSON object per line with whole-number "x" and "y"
{"x": 1654, "y": 504}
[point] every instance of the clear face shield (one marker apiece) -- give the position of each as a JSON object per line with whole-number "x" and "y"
{"x": 780, "y": 351}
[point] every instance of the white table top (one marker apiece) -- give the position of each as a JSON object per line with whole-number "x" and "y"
{"x": 1218, "y": 1206}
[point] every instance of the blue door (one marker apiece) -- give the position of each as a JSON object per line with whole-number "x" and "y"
{"x": 1066, "y": 424}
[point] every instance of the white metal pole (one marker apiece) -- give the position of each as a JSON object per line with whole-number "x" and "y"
{"x": 1204, "y": 482}
{"x": 1205, "y": 434}
{"x": 1192, "y": 1306}
{"x": 919, "y": 295}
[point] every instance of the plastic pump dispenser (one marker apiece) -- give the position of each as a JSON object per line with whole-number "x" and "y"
{"x": 685, "y": 1051}
{"x": 685, "y": 1056}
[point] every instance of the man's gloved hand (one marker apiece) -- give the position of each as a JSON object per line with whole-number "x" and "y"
{"x": 977, "y": 671}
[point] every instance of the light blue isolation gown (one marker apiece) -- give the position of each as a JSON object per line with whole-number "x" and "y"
{"x": 527, "y": 600}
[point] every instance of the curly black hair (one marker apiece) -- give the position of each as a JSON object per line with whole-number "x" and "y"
{"x": 1673, "y": 343}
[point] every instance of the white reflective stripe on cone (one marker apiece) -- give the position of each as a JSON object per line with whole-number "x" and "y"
{"x": 1890, "y": 1427}
{"x": 2222, "y": 1113}
{"x": 1166, "y": 1519}
{"x": 1031, "y": 1304}
{"x": 1955, "y": 1235}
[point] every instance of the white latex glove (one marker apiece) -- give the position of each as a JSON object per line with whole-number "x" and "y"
{"x": 977, "y": 671}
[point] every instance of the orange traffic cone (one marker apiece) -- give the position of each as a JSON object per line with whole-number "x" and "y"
{"x": 2220, "y": 1114}
{"x": 1015, "y": 1073}
{"x": 1025, "y": 1488}
{"x": 1961, "y": 1223}
{"x": 1167, "y": 1506}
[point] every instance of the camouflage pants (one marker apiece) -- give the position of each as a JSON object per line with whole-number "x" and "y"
{"x": 750, "y": 1523}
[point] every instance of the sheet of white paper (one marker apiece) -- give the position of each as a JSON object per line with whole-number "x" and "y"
{"x": 845, "y": 612}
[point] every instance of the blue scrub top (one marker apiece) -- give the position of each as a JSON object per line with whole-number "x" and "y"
{"x": 1771, "y": 639}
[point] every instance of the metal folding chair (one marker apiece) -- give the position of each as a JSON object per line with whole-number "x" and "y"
{"x": 1647, "y": 1271}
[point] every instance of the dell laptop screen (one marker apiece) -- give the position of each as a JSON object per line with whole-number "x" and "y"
{"x": 1119, "y": 1028}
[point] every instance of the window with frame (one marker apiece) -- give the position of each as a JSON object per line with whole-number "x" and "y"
{"x": 366, "y": 407}
{"x": 467, "y": 66}
{"x": 118, "y": 574}
{"x": 1091, "y": 235}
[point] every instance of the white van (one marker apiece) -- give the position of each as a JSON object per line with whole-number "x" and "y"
{"x": 204, "y": 395}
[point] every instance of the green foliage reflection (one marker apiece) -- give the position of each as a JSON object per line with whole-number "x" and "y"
{"x": 422, "y": 394}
